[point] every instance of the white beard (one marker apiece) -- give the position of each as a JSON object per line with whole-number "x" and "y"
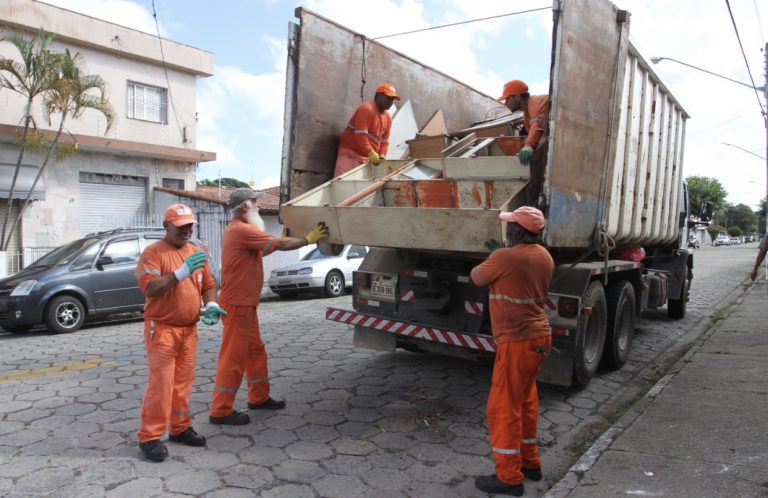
{"x": 252, "y": 217}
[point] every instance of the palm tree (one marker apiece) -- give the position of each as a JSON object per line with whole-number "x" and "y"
{"x": 71, "y": 94}
{"x": 30, "y": 77}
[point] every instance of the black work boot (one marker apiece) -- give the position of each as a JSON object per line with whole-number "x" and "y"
{"x": 189, "y": 437}
{"x": 532, "y": 474}
{"x": 269, "y": 404}
{"x": 154, "y": 450}
{"x": 234, "y": 418}
{"x": 492, "y": 485}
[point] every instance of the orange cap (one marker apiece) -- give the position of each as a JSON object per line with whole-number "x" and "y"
{"x": 528, "y": 217}
{"x": 388, "y": 90}
{"x": 514, "y": 87}
{"x": 179, "y": 215}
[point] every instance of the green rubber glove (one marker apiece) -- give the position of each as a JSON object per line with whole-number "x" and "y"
{"x": 525, "y": 155}
{"x": 317, "y": 233}
{"x": 193, "y": 262}
{"x": 212, "y": 313}
{"x": 492, "y": 245}
{"x": 374, "y": 157}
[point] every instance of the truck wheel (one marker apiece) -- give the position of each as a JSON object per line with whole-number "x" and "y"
{"x": 334, "y": 284}
{"x": 676, "y": 308}
{"x": 589, "y": 348}
{"x": 64, "y": 314}
{"x": 621, "y": 324}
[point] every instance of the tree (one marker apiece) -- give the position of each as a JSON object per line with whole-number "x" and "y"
{"x": 70, "y": 95}
{"x": 715, "y": 230}
{"x": 225, "y": 182}
{"x": 704, "y": 189}
{"x": 741, "y": 216}
{"x": 30, "y": 77}
{"x": 735, "y": 231}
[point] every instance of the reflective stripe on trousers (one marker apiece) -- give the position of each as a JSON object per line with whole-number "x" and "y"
{"x": 241, "y": 353}
{"x": 171, "y": 354}
{"x": 513, "y": 406}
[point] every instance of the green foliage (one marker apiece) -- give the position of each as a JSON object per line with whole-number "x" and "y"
{"x": 705, "y": 189}
{"x": 735, "y": 231}
{"x": 741, "y": 216}
{"x": 715, "y": 230}
{"x": 225, "y": 182}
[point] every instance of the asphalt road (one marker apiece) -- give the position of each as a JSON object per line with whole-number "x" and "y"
{"x": 358, "y": 423}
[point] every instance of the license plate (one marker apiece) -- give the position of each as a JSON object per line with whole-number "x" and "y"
{"x": 383, "y": 285}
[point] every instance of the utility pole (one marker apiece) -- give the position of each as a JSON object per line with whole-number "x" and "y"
{"x": 765, "y": 120}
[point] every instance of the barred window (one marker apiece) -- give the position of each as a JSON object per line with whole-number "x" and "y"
{"x": 147, "y": 102}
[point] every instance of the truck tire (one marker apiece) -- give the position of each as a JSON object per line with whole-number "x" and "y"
{"x": 64, "y": 314}
{"x": 676, "y": 308}
{"x": 589, "y": 348}
{"x": 621, "y": 324}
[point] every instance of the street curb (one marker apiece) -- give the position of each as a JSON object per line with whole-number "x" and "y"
{"x": 566, "y": 485}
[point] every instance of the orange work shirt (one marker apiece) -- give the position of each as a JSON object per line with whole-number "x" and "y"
{"x": 180, "y": 305}
{"x": 367, "y": 130}
{"x": 519, "y": 279}
{"x": 535, "y": 119}
{"x": 242, "y": 270}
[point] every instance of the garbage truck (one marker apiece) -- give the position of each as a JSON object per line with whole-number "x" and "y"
{"x": 608, "y": 177}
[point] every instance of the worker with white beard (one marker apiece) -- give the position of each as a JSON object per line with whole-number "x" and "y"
{"x": 243, "y": 245}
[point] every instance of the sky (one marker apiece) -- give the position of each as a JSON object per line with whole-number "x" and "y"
{"x": 240, "y": 108}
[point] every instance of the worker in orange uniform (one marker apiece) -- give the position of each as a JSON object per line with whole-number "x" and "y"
{"x": 243, "y": 245}
{"x": 173, "y": 275}
{"x": 366, "y": 137}
{"x": 535, "y": 115}
{"x": 518, "y": 277}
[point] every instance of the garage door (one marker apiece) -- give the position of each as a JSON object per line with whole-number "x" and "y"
{"x": 112, "y": 201}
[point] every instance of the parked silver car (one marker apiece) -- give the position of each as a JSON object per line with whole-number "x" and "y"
{"x": 318, "y": 272}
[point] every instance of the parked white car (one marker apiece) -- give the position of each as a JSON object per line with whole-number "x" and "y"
{"x": 722, "y": 240}
{"x": 315, "y": 272}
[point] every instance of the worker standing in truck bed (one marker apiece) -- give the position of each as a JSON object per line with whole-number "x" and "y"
{"x": 535, "y": 114}
{"x": 366, "y": 137}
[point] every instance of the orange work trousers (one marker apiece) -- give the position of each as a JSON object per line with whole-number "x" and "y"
{"x": 346, "y": 161}
{"x": 242, "y": 352}
{"x": 513, "y": 406}
{"x": 171, "y": 353}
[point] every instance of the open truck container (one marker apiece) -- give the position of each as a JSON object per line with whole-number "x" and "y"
{"x": 609, "y": 174}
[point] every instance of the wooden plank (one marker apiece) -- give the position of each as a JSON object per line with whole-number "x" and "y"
{"x": 435, "y": 125}
{"x": 457, "y": 147}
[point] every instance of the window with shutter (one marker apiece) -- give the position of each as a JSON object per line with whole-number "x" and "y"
{"x": 147, "y": 102}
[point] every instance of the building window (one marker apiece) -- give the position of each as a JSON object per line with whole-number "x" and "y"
{"x": 173, "y": 183}
{"x": 147, "y": 102}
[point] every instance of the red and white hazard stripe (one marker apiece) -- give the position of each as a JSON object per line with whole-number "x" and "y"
{"x": 412, "y": 330}
{"x": 408, "y": 296}
{"x": 473, "y": 308}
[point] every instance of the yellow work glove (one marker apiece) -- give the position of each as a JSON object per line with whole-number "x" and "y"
{"x": 373, "y": 157}
{"x": 317, "y": 233}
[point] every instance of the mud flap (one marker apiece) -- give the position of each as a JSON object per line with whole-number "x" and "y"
{"x": 374, "y": 339}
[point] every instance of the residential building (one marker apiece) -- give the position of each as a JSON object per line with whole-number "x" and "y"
{"x": 153, "y": 142}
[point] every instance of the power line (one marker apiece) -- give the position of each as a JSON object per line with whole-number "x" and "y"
{"x": 736, "y": 30}
{"x": 462, "y": 22}
{"x": 165, "y": 70}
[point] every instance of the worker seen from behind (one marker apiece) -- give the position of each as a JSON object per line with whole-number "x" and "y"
{"x": 243, "y": 246}
{"x": 535, "y": 114}
{"x": 518, "y": 277}
{"x": 761, "y": 251}
{"x": 366, "y": 137}
{"x": 174, "y": 275}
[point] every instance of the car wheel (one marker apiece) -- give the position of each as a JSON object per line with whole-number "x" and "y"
{"x": 13, "y": 329}
{"x": 64, "y": 314}
{"x": 334, "y": 284}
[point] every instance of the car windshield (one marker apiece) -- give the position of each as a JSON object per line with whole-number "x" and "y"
{"x": 314, "y": 254}
{"x": 65, "y": 253}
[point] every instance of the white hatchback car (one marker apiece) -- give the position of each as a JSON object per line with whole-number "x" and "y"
{"x": 318, "y": 272}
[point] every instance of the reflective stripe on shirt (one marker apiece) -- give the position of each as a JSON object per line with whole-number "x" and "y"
{"x": 365, "y": 132}
{"x": 530, "y": 300}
